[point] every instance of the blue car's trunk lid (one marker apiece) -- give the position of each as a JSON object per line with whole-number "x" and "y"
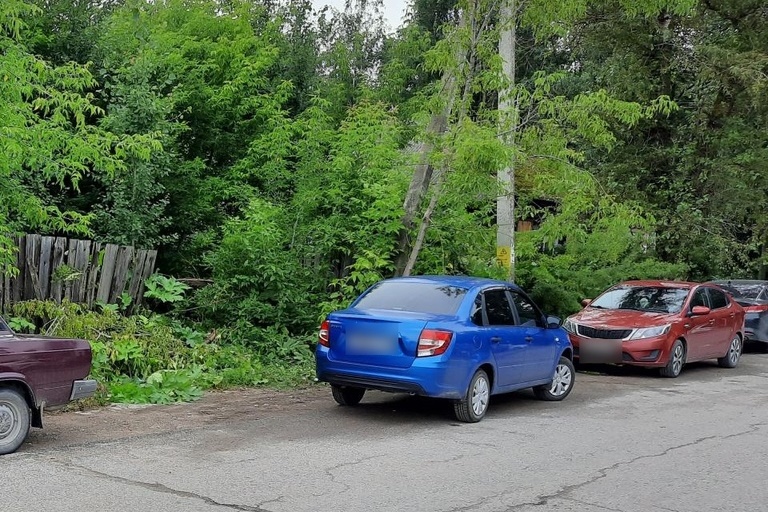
{"x": 376, "y": 337}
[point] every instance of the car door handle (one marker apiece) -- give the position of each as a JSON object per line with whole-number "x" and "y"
{"x": 711, "y": 322}
{"x": 495, "y": 339}
{"x": 529, "y": 339}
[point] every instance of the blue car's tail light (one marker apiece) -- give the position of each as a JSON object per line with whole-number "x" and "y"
{"x": 323, "y": 337}
{"x": 433, "y": 342}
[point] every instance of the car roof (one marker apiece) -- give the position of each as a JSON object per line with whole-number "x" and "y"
{"x": 665, "y": 284}
{"x": 459, "y": 281}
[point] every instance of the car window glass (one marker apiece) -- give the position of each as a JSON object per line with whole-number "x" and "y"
{"x": 743, "y": 290}
{"x": 498, "y": 309}
{"x": 719, "y": 300}
{"x": 477, "y": 311}
{"x": 657, "y": 299}
{"x": 419, "y": 297}
{"x": 525, "y": 310}
{"x": 700, "y": 298}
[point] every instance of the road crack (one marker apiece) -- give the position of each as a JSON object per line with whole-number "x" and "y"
{"x": 602, "y": 473}
{"x": 158, "y": 487}
{"x": 596, "y": 505}
{"x": 562, "y": 493}
{"x": 332, "y": 477}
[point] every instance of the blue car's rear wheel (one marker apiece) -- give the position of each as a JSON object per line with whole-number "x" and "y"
{"x": 561, "y": 384}
{"x": 474, "y": 405}
{"x": 347, "y": 395}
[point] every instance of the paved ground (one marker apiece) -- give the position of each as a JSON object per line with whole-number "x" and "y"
{"x": 627, "y": 441}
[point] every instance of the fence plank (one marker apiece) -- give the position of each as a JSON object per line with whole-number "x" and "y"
{"x": 107, "y": 272}
{"x": 137, "y": 271}
{"x": 82, "y": 259}
{"x": 59, "y": 248}
{"x": 71, "y": 255}
{"x": 46, "y": 254}
{"x": 17, "y": 284}
{"x": 149, "y": 267}
{"x": 124, "y": 257}
{"x": 31, "y": 259}
{"x": 6, "y": 292}
{"x": 93, "y": 274}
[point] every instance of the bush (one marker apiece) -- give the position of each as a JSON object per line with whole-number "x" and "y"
{"x": 154, "y": 359}
{"x": 558, "y": 283}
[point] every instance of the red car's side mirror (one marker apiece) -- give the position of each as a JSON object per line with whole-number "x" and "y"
{"x": 586, "y": 302}
{"x": 700, "y": 310}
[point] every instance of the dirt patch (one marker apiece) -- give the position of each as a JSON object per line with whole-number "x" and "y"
{"x": 116, "y": 422}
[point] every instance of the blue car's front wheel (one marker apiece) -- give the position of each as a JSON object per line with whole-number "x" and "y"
{"x": 474, "y": 405}
{"x": 561, "y": 384}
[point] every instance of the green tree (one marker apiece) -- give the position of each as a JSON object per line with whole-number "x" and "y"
{"x": 48, "y": 138}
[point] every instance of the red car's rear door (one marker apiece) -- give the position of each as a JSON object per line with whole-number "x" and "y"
{"x": 725, "y": 316}
{"x": 700, "y": 328}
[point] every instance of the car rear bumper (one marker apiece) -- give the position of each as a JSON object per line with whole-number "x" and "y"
{"x": 438, "y": 379}
{"x": 752, "y": 336}
{"x": 381, "y": 384}
{"x": 82, "y": 389}
{"x": 756, "y": 327}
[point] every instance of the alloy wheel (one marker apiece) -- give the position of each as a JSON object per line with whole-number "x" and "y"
{"x": 480, "y": 394}
{"x": 561, "y": 381}
{"x": 735, "y": 351}
{"x": 677, "y": 359}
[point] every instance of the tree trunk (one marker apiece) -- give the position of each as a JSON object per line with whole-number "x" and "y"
{"x": 425, "y": 221}
{"x": 422, "y": 175}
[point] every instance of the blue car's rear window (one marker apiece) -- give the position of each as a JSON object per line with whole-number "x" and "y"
{"x": 433, "y": 298}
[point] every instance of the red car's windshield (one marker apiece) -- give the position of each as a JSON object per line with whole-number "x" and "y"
{"x": 653, "y": 299}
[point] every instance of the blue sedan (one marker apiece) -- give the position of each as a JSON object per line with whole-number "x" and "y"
{"x": 458, "y": 338}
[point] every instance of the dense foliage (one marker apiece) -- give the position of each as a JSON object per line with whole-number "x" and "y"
{"x": 293, "y": 156}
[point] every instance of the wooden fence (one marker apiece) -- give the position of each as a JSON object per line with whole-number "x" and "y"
{"x": 80, "y": 271}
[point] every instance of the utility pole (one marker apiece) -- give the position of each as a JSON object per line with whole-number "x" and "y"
{"x": 505, "y": 202}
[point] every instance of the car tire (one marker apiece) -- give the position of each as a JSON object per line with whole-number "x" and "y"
{"x": 347, "y": 395}
{"x": 676, "y": 361}
{"x": 561, "y": 384}
{"x": 731, "y": 358}
{"x": 474, "y": 405}
{"x": 14, "y": 420}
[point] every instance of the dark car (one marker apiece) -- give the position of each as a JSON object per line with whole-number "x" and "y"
{"x": 659, "y": 324}
{"x": 457, "y": 338}
{"x": 752, "y": 295}
{"x": 38, "y": 373}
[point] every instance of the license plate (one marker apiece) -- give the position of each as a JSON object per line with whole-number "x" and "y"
{"x": 369, "y": 344}
{"x": 600, "y": 351}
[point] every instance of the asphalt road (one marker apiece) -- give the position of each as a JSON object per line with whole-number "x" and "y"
{"x": 627, "y": 441}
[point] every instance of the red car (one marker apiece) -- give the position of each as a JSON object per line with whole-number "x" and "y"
{"x": 38, "y": 373}
{"x": 658, "y": 324}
